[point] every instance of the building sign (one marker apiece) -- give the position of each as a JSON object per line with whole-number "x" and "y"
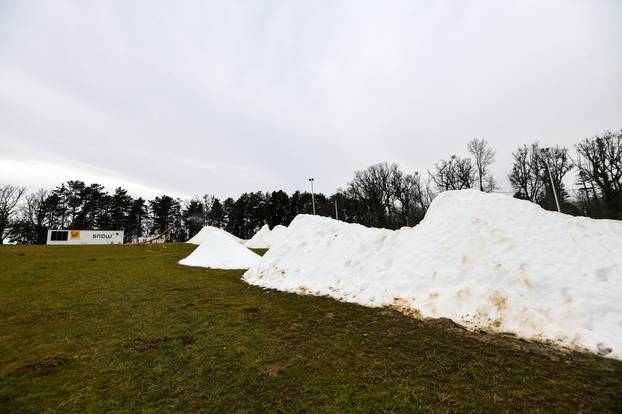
{"x": 85, "y": 237}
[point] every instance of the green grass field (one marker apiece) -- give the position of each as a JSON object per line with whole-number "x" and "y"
{"x": 126, "y": 329}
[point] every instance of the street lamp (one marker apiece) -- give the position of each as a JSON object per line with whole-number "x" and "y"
{"x": 336, "y": 211}
{"x": 312, "y": 195}
{"x": 545, "y": 152}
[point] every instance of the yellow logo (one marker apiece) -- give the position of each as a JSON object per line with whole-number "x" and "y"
{"x": 75, "y": 234}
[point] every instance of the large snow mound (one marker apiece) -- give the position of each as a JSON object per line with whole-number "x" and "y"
{"x": 219, "y": 251}
{"x": 265, "y": 238}
{"x": 486, "y": 261}
{"x": 207, "y": 230}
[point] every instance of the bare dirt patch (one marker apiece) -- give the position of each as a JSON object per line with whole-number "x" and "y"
{"x": 143, "y": 345}
{"x": 47, "y": 364}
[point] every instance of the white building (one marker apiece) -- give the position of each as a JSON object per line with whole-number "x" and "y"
{"x": 85, "y": 237}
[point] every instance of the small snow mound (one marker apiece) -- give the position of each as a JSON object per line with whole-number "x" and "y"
{"x": 486, "y": 261}
{"x": 258, "y": 240}
{"x": 207, "y": 230}
{"x": 219, "y": 251}
{"x": 265, "y": 238}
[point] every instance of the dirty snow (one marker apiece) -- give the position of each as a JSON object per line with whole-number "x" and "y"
{"x": 220, "y": 251}
{"x": 205, "y": 231}
{"x": 265, "y": 238}
{"x": 486, "y": 261}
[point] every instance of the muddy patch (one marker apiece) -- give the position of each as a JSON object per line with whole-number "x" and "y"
{"x": 46, "y": 364}
{"x": 143, "y": 345}
{"x": 551, "y": 349}
{"x": 187, "y": 340}
{"x": 252, "y": 311}
{"x": 273, "y": 370}
{"x": 405, "y": 306}
{"x": 498, "y": 301}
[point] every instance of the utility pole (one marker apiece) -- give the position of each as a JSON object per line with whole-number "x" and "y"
{"x": 312, "y": 195}
{"x": 545, "y": 151}
{"x": 336, "y": 212}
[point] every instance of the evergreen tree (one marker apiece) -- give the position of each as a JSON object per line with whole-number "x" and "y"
{"x": 165, "y": 211}
{"x": 216, "y": 214}
{"x": 277, "y": 209}
{"x": 120, "y": 207}
{"x": 75, "y": 190}
{"x": 136, "y": 220}
{"x": 93, "y": 201}
{"x": 193, "y": 217}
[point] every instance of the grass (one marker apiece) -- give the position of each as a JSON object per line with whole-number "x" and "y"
{"x": 126, "y": 329}
{"x": 260, "y": 252}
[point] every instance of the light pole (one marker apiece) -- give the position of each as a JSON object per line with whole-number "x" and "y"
{"x": 545, "y": 152}
{"x": 336, "y": 212}
{"x": 312, "y": 195}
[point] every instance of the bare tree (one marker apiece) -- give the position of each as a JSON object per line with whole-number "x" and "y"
{"x": 10, "y": 196}
{"x": 29, "y": 226}
{"x": 35, "y": 213}
{"x": 408, "y": 193}
{"x": 602, "y": 165}
{"x": 527, "y": 173}
{"x": 387, "y": 197}
{"x": 484, "y": 156}
{"x": 556, "y": 162}
{"x": 373, "y": 186}
{"x": 454, "y": 174}
{"x": 586, "y": 193}
{"x": 530, "y": 173}
{"x": 427, "y": 194}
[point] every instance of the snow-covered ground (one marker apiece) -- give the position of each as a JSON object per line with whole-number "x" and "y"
{"x": 486, "y": 261}
{"x": 265, "y": 237}
{"x": 221, "y": 251}
{"x": 207, "y": 230}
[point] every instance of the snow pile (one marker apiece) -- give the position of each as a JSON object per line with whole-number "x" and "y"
{"x": 221, "y": 251}
{"x": 265, "y": 238}
{"x": 258, "y": 240}
{"x": 485, "y": 261}
{"x": 207, "y": 230}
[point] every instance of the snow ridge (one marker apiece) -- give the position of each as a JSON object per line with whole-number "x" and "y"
{"x": 486, "y": 261}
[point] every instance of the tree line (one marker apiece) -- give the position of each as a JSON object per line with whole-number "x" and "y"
{"x": 382, "y": 195}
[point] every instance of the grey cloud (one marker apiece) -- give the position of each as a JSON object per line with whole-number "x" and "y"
{"x": 226, "y": 97}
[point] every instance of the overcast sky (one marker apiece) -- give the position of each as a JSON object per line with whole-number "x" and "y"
{"x": 193, "y": 97}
